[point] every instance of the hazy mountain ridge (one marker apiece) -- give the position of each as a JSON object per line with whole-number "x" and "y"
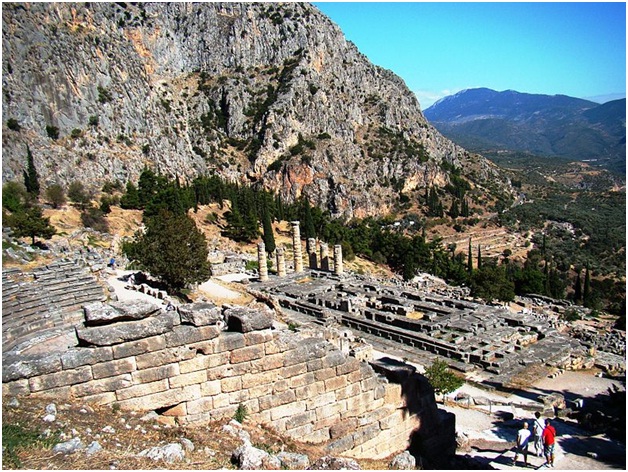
{"x": 483, "y": 119}
{"x": 269, "y": 93}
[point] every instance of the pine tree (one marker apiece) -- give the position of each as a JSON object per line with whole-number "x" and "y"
{"x": 130, "y": 200}
{"x": 31, "y": 179}
{"x": 172, "y": 249}
{"x": 30, "y": 222}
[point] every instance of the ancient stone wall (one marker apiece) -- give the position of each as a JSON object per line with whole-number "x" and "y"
{"x": 201, "y": 362}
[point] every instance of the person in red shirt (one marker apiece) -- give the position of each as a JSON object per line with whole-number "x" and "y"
{"x": 549, "y": 438}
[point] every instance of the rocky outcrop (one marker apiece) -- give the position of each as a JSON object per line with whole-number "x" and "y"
{"x": 268, "y": 93}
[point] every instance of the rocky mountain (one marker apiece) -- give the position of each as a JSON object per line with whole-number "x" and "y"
{"x": 265, "y": 93}
{"x": 483, "y": 119}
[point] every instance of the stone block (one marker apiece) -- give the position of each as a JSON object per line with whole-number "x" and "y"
{"x": 244, "y": 320}
{"x": 246, "y": 354}
{"x": 302, "y": 380}
{"x": 309, "y": 417}
{"x": 265, "y": 378}
{"x": 268, "y": 362}
{"x": 229, "y": 341}
{"x": 115, "y": 367}
{"x": 16, "y": 388}
{"x": 280, "y": 386}
{"x": 296, "y": 356}
{"x": 300, "y": 431}
{"x": 202, "y": 405}
{"x": 289, "y": 409}
{"x": 320, "y": 400}
{"x": 191, "y": 378}
{"x": 358, "y": 405}
{"x": 219, "y": 373}
{"x": 270, "y": 401}
{"x": 370, "y": 383}
{"x": 343, "y": 428}
{"x": 163, "y": 357}
{"x": 16, "y": 367}
{"x": 125, "y": 331}
{"x": 60, "y": 379}
{"x": 200, "y": 314}
{"x": 156, "y": 373}
{"x": 222, "y": 413}
{"x": 373, "y": 416}
{"x": 254, "y": 338}
{"x": 73, "y": 358}
{"x": 252, "y": 405}
{"x": 200, "y": 362}
{"x": 221, "y": 400}
{"x": 340, "y": 445}
{"x": 350, "y": 390}
{"x": 294, "y": 370}
{"x": 106, "y": 398}
{"x": 99, "y": 313}
{"x": 335, "y": 383}
{"x": 325, "y": 374}
{"x": 141, "y": 346}
{"x": 162, "y": 399}
{"x": 178, "y": 410}
{"x": 231, "y": 384}
{"x": 334, "y": 359}
{"x": 309, "y": 390}
{"x": 110, "y": 384}
{"x": 260, "y": 391}
{"x": 142, "y": 390}
{"x": 314, "y": 365}
{"x": 210, "y": 388}
{"x": 365, "y": 433}
{"x": 351, "y": 365}
{"x": 186, "y": 335}
{"x": 332, "y": 409}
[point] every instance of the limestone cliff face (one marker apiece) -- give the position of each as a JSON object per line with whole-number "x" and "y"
{"x": 265, "y": 93}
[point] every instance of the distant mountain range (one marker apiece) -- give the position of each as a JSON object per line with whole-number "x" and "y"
{"x": 484, "y": 120}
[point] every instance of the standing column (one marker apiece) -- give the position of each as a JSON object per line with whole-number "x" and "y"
{"x": 311, "y": 244}
{"x": 296, "y": 246}
{"x": 261, "y": 261}
{"x": 338, "y": 269}
{"x": 281, "y": 262}
{"x": 324, "y": 256}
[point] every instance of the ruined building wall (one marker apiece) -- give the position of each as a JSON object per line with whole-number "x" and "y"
{"x": 200, "y": 362}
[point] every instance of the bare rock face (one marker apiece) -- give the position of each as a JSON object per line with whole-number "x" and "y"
{"x": 256, "y": 92}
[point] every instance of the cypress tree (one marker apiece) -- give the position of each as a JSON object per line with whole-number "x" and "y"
{"x": 268, "y": 236}
{"x": 577, "y": 292}
{"x": 470, "y": 258}
{"x": 586, "y": 291}
{"x": 31, "y": 179}
{"x": 308, "y": 222}
{"x": 479, "y": 256}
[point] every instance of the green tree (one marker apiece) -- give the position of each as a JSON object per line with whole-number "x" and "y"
{"x": 577, "y": 288}
{"x": 470, "y": 258}
{"x": 30, "y": 222}
{"x": 14, "y": 196}
{"x": 268, "y": 236}
{"x": 78, "y": 194}
{"x": 130, "y": 200}
{"x": 490, "y": 282}
{"x": 586, "y": 289}
{"x": 55, "y": 195}
{"x": 31, "y": 179}
{"x": 441, "y": 378}
{"x": 172, "y": 249}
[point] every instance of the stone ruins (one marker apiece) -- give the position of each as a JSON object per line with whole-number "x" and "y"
{"x": 200, "y": 362}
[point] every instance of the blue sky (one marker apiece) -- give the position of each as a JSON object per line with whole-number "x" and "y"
{"x": 575, "y": 49}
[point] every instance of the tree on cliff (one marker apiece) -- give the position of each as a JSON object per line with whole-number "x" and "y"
{"x": 172, "y": 249}
{"x": 31, "y": 178}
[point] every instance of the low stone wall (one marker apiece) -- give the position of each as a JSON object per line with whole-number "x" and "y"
{"x": 201, "y": 362}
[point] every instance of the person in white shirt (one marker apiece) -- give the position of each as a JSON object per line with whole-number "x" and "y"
{"x": 537, "y": 434}
{"x": 523, "y": 437}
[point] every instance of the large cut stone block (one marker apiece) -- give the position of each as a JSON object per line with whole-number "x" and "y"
{"x": 60, "y": 379}
{"x": 243, "y": 320}
{"x": 112, "y": 368}
{"x": 125, "y": 331}
{"x": 100, "y": 313}
{"x": 200, "y": 314}
{"x": 85, "y": 356}
{"x": 16, "y": 367}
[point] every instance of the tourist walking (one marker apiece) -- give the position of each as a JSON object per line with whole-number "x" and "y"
{"x": 537, "y": 434}
{"x": 523, "y": 437}
{"x": 549, "y": 440}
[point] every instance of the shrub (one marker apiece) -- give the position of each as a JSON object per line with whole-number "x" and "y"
{"x": 55, "y": 195}
{"x": 94, "y": 218}
{"x": 52, "y": 131}
{"x": 441, "y": 378}
{"x": 76, "y": 133}
{"x": 93, "y": 120}
{"x": 12, "y": 124}
{"x": 240, "y": 413}
{"x": 78, "y": 194}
